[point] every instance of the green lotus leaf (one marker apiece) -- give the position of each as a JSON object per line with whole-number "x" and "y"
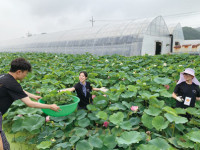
{"x": 58, "y": 119}
{"x": 59, "y": 133}
{"x": 116, "y": 118}
{"x": 28, "y": 110}
{"x": 132, "y": 88}
{"x": 147, "y": 121}
{"x": 18, "y": 103}
{"x": 176, "y": 119}
{"x": 95, "y": 142}
{"x": 99, "y": 98}
{"x": 195, "y": 121}
{"x": 160, "y": 143}
{"x": 170, "y": 110}
{"x": 162, "y": 81}
{"x": 74, "y": 139}
{"x": 126, "y": 125}
{"x": 84, "y": 122}
{"x": 135, "y": 121}
{"x": 156, "y": 103}
{"x": 81, "y": 114}
{"x": 92, "y": 116}
{"x": 102, "y": 115}
{"x": 147, "y": 147}
{"x": 129, "y": 137}
{"x": 20, "y": 139}
{"x": 91, "y": 107}
{"x": 114, "y": 97}
{"x": 174, "y": 141}
{"x": 128, "y": 94}
{"x": 29, "y": 123}
{"x": 81, "y": 132}
{"x": 191, "y": 110}
{"x": 109, "y": 141}
{"x": 128, "y": 105}
{"x": 101, "y": 103}
{"x": 180, "y": 110}
{"x": 117, "y": 106}
{"x": 44, "y": 145}
{"x": 166, "y": 94}
{"x": 153, "y": 111}
{"x": 148, "y": 95}
{"x": 180, "y": 127}
{"x": 159, "y": 123}
{"x": 18, "y": 124}
{"x": 194, "y": 136}
{"x": 83, "y": 145}
{"x": 63, "y": 145}
{"x": 184, "y": 142}
{"x": 116, "y": 131}
{"x": 113, "y": 108}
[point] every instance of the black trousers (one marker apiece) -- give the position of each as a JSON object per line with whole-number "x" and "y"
{"x": 6, "y": 145}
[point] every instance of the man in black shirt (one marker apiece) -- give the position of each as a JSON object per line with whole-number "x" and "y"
{"x": 11, "y": 90}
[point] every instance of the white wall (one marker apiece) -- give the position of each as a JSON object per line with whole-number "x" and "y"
{"x": 188, "y": 46}
{"x": 149, "y": 44}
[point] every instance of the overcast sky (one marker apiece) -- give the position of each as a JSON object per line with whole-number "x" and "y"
{"x": 19, "y": 17}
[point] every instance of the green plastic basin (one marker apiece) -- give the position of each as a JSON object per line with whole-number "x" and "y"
{"x": 65, "y": 109}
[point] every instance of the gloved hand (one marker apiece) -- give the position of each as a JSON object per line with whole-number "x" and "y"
{"x": 179, "y": 98}
{"x": 103, "y": 89}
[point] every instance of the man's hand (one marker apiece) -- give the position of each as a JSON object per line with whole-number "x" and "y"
{"x": 179, "y": 98}
{"x": 54, "y": 107}
{"x": 36, "y": 97}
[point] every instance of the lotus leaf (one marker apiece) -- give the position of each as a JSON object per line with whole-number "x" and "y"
{"x": 194, "y": 136}
{"x": 44, "y": 145}
{"x": 96, "y": 142}
{"x": 159, "y": 123}
{"x": 83, "y": 145}
{"x": 129, "y": 137}
{"x": 84, "y": 122}
{"x": 160, "y": 143}
{"x": 153, "y": 111}
{"x": 116, "y": 118}
{"x": 176, "y": 119}
{"x": 162, "y": 81}
{"x": 102, "y": 115}
{"x": 147, "y": 121}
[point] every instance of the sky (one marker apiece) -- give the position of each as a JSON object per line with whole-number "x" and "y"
{"x": 18, "y": 18}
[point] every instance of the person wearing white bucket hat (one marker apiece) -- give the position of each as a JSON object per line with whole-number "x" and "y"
{"x": 187, "y": 89}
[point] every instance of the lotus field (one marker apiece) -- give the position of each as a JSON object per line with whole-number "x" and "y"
{"x": 137, "y": 112}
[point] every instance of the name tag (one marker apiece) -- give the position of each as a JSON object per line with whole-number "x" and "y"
{"x": 187, "y": 101}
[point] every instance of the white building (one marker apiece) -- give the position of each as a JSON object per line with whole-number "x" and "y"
{"x": 132, "y": 38}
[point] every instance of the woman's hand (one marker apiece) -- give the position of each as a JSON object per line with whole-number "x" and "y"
{"x": 179, "y": 98}
{"x": 103, "y": 89}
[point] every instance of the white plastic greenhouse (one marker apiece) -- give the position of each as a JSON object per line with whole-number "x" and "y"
{"x": 177, "y": 36}
{"x": 136, "y": 37}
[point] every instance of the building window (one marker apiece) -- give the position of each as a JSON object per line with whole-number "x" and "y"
{"x": 177, "y": 43}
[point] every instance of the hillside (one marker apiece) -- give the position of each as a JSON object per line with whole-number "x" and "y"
{"x": 191, "y": 33}
{"x": 198, "y": 29}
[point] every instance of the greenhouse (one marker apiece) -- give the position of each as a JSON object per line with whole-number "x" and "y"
{"x": 130, "y": 38}
{"x": 177, "y": 36}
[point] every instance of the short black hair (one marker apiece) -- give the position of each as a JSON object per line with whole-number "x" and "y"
{"x": 84, "y": 72}
{"x": 20, "y": 64}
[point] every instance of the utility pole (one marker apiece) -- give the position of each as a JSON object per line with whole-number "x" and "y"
{"x": 92, "y": 20}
